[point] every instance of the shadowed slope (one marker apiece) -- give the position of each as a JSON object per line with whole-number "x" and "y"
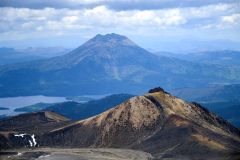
{"x": 17, "y": 131}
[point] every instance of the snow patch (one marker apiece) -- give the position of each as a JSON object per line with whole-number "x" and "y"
{"x": 19, "y": 154}
{"x": 20, "y": 135}
{"x": 30, "y": 143}
{"x": 44, "y": 156}
{"x": 34, "y": 140}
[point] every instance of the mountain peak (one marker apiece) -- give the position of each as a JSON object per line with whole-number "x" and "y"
{"x": 109, "y": 40}
{"x": 157, "y": 89}
{"x": 111, "y": 36}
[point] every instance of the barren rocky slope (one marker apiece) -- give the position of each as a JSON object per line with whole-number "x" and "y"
{"x": 157, "y": 123}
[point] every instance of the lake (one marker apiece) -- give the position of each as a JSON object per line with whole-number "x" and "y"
{"x": 16, "y": 102}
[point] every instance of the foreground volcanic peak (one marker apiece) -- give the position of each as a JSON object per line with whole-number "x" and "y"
{"x": 156, "y": 122}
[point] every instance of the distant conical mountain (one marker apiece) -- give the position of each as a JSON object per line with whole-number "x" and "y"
{"x": 110, "y": 40}
{"x": 108, "y": 64}
{"x": 111, "y": 54}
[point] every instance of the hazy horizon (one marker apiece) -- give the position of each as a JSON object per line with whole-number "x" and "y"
{"x": 171, "y": 26}
{"x": 176, "y": 47}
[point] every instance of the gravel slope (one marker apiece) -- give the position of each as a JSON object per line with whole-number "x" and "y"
{"x": 75, "y": 154}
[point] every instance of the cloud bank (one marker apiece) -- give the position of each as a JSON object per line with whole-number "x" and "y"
{"x": 29, "y": 19}
{"x": 113, "y": 4}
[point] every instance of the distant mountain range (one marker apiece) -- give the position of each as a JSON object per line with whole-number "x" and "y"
{"x": 215, "y": 93}
{"x": 189, "y": 45}
{"x": 11, "y": 55}
{"x": 156, "y": 122}
{"x": 227, "y": 58}
{"x": 108, "y": 64}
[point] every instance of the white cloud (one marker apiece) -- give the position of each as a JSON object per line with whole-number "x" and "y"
{"x": 209, "y": 11}
{"x": 25, "y": 22}
{"x": 39, "y": 28}
{"x": 70, "y": 19}
{"x": 51, "y": 19}
{"x": 232, "y": 19}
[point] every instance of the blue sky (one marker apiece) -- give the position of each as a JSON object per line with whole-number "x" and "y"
{"x": 164, "y": 25}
